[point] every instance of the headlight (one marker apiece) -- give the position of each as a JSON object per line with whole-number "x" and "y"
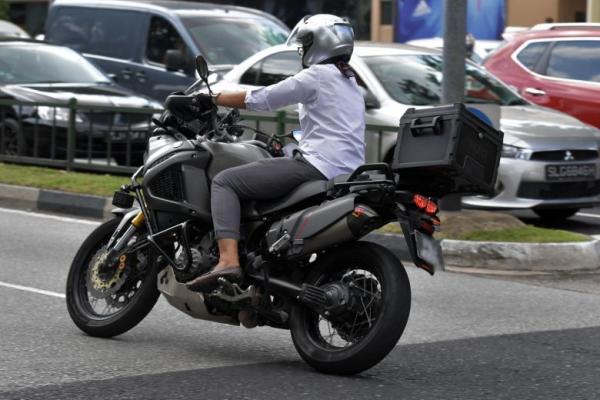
{"x": 515, "y": 152}
{"x": 57, "y": 113}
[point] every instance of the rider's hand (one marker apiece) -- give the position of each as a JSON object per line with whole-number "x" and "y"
{"x": 203, "y": 101}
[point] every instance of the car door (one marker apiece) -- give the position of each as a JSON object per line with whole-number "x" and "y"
{"x": 111, "y": 39}
{"x": 570, "y": 79}
{"x": 161, "y": 80}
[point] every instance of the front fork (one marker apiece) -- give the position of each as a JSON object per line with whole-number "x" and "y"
{"x": 131, "y": 222}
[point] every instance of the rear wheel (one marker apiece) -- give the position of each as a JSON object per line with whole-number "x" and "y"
{"x": 106, "y": 301}
{"x": 556, "y": 214}
{"x": 368, "y": 330}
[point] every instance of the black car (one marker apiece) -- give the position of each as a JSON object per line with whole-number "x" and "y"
{"x": 36, "y": 72}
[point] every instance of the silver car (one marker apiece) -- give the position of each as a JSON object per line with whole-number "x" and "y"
{"x": 550, "y": 161}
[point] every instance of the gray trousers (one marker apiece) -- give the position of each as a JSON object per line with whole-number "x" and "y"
{"x": 261, "y": 180}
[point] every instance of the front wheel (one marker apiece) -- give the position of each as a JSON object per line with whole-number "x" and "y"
{"x": 368, "y": 330}
{"x": 108, "y": 300}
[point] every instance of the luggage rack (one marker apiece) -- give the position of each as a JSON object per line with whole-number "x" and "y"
{"x": 360, "y": 179}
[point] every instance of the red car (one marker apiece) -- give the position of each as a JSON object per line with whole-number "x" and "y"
{"x": 556, "y": 66}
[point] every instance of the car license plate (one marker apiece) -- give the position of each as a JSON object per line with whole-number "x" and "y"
{"x": 429, "y": 250}
{"x": 570, "y": 171}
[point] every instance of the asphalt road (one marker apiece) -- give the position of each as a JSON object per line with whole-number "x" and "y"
{"x": 586, "y": 221}
{"x": 468, "y": 337}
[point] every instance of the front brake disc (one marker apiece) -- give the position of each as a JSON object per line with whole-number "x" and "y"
{"x": 102, "y": 285}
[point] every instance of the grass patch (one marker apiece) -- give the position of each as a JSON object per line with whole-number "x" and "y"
{"x": 56, "y": 179}
{"x": 526, "y": 234}
{"x": 490, "y": 228}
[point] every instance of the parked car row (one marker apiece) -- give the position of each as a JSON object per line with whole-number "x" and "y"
{"x": 550, "y": 161}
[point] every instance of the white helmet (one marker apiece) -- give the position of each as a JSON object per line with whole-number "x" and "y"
{"x": 322, "y": 37}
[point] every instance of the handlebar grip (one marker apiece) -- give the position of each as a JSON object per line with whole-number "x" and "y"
{"x": 178, "y": 100}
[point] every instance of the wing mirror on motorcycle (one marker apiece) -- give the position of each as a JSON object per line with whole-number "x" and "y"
{"x": 202, "y": 68}
{"x": 203, "y": 72}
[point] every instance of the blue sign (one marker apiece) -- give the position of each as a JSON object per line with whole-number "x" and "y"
{"x": 421, "y": 19}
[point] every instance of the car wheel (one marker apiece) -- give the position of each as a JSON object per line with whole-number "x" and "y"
{"x": 12, "y": 138}
{"x": 556, "y": 214}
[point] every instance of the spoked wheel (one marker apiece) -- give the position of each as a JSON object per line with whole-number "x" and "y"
{"x": 107, "y": 300}
{"x": 366, "y": 329}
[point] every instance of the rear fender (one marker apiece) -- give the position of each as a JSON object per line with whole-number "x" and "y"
{"x": 424, "y": 250}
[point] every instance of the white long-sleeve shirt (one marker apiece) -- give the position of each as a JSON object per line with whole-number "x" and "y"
{"x": 332, "y": 116}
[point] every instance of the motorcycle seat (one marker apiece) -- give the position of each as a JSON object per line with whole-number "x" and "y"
{"x": 309, "y": 191}
{"x": 312, "y": 190}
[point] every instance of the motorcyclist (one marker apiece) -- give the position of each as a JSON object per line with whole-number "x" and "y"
{"x": 331, "y": 113}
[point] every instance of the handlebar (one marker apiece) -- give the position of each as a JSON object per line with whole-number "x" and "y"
{"x": 182, "y": 110}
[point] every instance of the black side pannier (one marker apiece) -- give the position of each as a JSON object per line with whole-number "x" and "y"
{"x": 443, "y": 150}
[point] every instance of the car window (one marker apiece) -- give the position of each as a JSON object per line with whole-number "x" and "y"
{"x": 162, "y": 36}
{"x": 577, "y": 59}
{"x": 232, "y": 40}
{"x": 417, "y": 80}
{"x": 108, "y": 33}
{"x": 278, "y": 67}
{"x": 531, "y": 54}
{"x": 46, "y": 64}
{"x": 250, "y": 77}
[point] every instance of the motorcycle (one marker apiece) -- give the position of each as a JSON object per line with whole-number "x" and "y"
{"x": 345, "y": 301}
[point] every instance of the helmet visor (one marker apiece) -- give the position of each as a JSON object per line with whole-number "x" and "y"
{"x": 344, "y": 32}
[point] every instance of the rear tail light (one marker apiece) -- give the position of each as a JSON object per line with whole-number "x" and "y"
{"x": 426, "y": 204}
{"x": 431, "y": 208}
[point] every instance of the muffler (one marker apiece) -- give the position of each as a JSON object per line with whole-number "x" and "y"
{"x": 321, "y": 226}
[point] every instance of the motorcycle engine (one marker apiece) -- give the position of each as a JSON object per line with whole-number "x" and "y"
{"x": 203, "y": 258}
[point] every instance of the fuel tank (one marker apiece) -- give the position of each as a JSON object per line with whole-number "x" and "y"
{"x": 227, "y": 155}
{"x": 177, "y": 175}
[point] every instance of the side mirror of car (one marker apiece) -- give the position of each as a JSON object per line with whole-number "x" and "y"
{"x": 371, "y": 101}
{"x": 173, "y": 60}
{"x": 202, "y": 67}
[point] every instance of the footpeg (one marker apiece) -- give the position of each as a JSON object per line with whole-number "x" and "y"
{"x": 232, "y": 292}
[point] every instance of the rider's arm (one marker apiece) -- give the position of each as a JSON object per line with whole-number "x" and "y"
{"x": 231, "y": 99}
{"x": 300, "y": 88}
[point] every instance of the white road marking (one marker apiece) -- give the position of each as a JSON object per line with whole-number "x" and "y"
{"x": 49, "y": 216}
{"x": 33, "y": 290}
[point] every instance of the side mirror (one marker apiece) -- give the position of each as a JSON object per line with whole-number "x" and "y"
{"x": 173, "y": 60}
{"x": 371, "y": 101}
{"x": 202, "y": 67}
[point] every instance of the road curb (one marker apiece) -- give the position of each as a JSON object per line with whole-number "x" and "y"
{"x": 73, "y": 204}
{"x": 510, "y": 256}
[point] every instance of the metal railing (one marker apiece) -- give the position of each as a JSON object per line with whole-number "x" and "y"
{"x": 109, "y": 139}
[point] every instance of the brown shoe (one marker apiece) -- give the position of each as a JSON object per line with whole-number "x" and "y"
{"x": 209, "y": 279}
